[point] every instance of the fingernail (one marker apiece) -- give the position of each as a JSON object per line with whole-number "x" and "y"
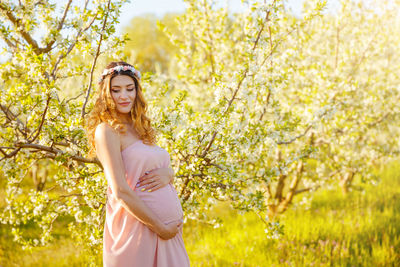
{"x": 143, "y": 189}
{"x": 149, "y": 190}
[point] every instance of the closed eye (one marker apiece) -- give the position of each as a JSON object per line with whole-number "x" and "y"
{"x": 117, "y": 91}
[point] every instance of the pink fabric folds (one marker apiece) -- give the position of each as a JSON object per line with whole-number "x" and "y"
{"x": 129, "y": 243}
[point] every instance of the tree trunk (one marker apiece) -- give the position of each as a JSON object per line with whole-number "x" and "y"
{"x": 346, "y": 181}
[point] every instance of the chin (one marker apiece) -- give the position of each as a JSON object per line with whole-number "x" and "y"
{"x": 124, "y": 110}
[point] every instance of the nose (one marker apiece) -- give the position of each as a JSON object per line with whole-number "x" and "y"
{"x": 123, "y": 95}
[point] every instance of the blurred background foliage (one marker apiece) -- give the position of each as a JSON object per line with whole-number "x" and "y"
{"x": 148, "y": 46}
{"x": 341, "y": 180}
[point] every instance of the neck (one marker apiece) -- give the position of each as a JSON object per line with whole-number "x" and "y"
{"x": 125, "y": 118}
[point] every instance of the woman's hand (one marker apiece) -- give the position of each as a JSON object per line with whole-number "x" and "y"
{"x": 170, "y": 229}
{"x": 155, "y": 179}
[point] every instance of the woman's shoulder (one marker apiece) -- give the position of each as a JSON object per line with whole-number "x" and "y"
{"x": 105, "y": 130}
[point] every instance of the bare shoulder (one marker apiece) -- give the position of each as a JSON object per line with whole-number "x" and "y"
{"x": 104, "y": 128}
{"x": 105, "y": 135}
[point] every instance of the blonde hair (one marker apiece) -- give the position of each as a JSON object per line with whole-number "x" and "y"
{"x": 104, "y": 110}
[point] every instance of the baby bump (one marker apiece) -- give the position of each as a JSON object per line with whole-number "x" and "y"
{"x": 164, "y": 202}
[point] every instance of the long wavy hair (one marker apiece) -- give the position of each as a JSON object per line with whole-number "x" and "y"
{"x": 104, "y": 110}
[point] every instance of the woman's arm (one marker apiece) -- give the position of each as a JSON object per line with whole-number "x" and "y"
{"x": 108, "y": 151}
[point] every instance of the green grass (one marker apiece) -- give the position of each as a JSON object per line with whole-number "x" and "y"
{"x": 361, "y": 229}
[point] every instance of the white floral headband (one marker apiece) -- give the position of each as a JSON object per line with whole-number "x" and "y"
{"x": 118, "y": 69}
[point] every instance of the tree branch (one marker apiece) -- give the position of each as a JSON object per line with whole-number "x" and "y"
{"x": 56, "y": 151}
{"x": 305, "y": 190}
{"x": 59, "y": 27}
{"x": 95, "y": 60}
{"x": 53, "y": 72}
{"x": 295, "y": 138}
{"x": 41, "y": 122}
{"x": 12, "y": 117}
{"x": 20, "y": 28}
{"x": 239, "y": 84}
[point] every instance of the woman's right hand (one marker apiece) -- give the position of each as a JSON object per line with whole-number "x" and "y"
{"x": 170, "y": 230}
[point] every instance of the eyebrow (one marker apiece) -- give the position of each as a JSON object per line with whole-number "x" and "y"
{"x": 117, "y": 86}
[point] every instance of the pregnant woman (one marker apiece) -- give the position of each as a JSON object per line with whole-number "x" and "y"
{"x": 144, "y": 216}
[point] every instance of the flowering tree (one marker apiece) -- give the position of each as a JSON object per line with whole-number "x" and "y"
{"x": 228, "y": 124}
{"x": 347, "y": 70}
{"x": 46, "y": 84}
{"x": 286, "y": 104}
{"x": 253, "y": 102}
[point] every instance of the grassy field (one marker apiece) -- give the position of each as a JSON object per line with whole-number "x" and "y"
{"x": 361, "y": 229}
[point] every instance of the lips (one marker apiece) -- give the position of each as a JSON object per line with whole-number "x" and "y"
{"x": 125, "y": 103}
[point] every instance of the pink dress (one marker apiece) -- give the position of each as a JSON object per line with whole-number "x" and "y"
{"x": 127, "y": 241}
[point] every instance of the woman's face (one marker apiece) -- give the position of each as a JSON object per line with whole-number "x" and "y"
{"x": 123, "y": 92}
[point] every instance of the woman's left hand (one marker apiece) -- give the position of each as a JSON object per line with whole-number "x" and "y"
{"x": 155, "y": 179}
